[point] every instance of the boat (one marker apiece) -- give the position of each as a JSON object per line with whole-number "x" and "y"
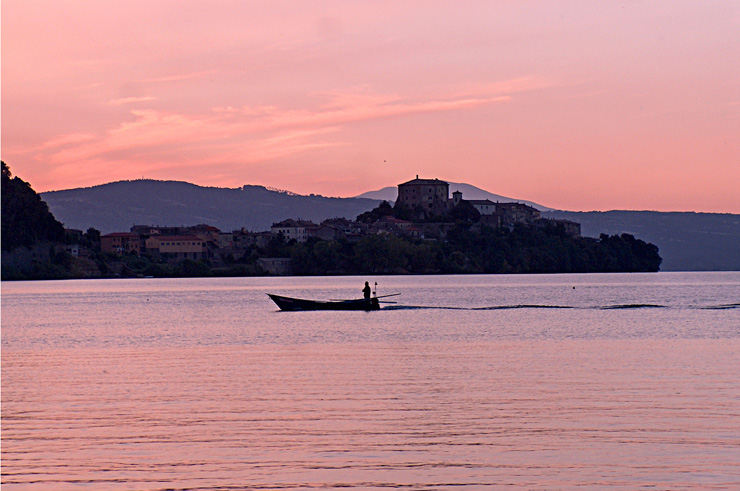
{"x": 297, "y": 304}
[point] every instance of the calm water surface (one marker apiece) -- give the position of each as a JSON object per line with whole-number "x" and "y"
{"x": 624, "y": 381}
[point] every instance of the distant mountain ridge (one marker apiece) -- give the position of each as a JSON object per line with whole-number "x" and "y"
{"x": 469, "y": 191}
{"x": 687, "y": 241}
{"x": 116, "y": 206}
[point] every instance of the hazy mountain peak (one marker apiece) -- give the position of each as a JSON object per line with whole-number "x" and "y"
{"x": 469, "y": 191}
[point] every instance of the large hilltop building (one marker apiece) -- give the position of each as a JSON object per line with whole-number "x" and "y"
{"x": 432, "y": 195}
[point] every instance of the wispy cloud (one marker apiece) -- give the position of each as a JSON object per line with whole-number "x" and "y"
{"x": 158, "y": 140}
{"x": 176, "y": 78}
{"x": 130, "y": 100}
{"x": 68, "y": 140}
{"x": 347, "y": 108}
{"x": 251, "y": 127}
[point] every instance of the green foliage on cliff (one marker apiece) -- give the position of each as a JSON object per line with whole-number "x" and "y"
{"x": 26, "y": 219}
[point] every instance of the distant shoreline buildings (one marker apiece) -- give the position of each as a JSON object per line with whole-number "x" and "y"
{"x": 426, "y": 201}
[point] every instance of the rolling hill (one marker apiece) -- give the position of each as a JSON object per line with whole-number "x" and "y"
{"x": 116, "y": 206}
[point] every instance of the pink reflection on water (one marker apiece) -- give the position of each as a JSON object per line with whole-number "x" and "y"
{"x": 544, "y": 414}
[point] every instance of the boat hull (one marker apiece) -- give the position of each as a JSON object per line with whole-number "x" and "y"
{"x": 299, "y": 304}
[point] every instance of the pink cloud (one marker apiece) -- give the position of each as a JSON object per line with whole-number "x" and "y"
{"x": 68, "y": 140}
{"x": 251, "y": 134}
{"x": 130, "y": 100}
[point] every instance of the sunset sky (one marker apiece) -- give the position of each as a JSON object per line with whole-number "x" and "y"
{"x": 576, "y": 105}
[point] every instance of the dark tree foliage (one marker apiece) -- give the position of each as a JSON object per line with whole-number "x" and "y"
{"x": 630, "y": 254}
{"x": 464, "y": 211}
{"x": 384, "y": 209}
{"x": 250, "y": 256}
{"x": 525, "y": 249}
{"x": 548, "y": 249}
{"x": 382, "y": 254}
{"x": 26, "y": 219}
{"x": 277, "y": 247}
{"x": 189, "y": 268}
{"x": 91, "y": 239}
{"x": 318, "y": 257}
{"x": 416, "y": 214}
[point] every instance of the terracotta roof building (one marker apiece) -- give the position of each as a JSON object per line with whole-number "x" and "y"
{"x": 121, "y": 243}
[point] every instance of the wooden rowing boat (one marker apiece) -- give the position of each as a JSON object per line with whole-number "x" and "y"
{"x": 297, "y": 304}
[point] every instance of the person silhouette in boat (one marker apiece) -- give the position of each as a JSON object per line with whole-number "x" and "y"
{"x": 366, "y": 291}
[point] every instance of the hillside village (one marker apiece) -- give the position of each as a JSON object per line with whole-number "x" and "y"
{"x": 428, "y": 212}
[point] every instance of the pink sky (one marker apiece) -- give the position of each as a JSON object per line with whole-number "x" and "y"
{"x": 575, "y": 104}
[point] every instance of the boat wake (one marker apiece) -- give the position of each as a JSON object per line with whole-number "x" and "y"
{"x": 493, "y": 307}
{"x": 633, "y": 306}
{"x": 722, "y": 307}
{"x": 630, "y": 306}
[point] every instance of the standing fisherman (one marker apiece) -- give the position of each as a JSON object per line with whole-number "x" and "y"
{"x": 366, "y": 291}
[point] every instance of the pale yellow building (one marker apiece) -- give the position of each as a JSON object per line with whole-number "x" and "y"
{"x": 176, "y": 246}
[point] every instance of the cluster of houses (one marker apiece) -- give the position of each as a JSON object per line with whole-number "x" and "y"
{"x": 425, "y": 197}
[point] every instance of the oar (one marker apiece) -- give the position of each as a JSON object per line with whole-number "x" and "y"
{"x": 381, "y": 296}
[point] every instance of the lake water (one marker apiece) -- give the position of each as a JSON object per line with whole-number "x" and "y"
{"x": 621, "y": 381}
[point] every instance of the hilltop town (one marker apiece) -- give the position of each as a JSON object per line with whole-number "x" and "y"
{"x": 426, "y": 204}
{"x": 428, "y": 230}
